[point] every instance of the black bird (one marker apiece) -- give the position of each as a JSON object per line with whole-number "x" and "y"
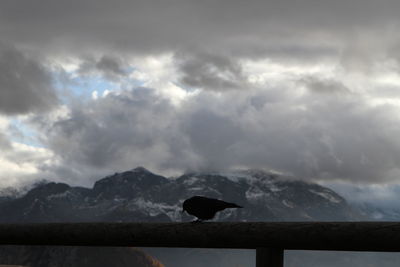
{"x": 205, "y": 208}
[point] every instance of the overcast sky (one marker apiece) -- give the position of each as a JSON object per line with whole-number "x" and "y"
{"x": 307, "y": 88}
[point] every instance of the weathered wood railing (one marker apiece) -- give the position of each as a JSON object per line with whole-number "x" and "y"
{"x": 269, "y": 239}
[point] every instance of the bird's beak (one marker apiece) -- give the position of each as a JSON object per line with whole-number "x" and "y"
{"x": 182, "y": 211}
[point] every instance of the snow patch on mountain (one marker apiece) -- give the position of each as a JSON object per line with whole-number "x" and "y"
{"x": 288, "y": 204}
{"x": 255, "y": 194}
{"x": 255, "y": 178}
{"x": 65, "y": 194}
{"x": 326, "y": 195}
{"x": 190, "y": 181}
{"x": 237, "y": 177}
{"x": 154, "y": 209}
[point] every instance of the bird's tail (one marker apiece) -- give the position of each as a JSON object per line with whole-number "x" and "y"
{"x": 232, "y": 205}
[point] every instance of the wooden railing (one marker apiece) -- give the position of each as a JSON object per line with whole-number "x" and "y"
{"x": 269, "y": 239}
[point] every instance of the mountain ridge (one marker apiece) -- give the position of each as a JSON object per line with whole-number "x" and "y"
{"x": 141, "y": 195}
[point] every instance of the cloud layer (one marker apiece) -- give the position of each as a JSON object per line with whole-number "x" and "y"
{"x": 311, "y": 136}
{"x": 258, "y": 28}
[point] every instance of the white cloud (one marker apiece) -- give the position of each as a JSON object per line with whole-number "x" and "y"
{"x": 95, "y": 95}
{"x": 159, "y": 72}
{"x": 22, "y": 164}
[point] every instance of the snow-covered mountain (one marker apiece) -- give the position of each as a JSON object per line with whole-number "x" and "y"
{"x": 140, "y": 195}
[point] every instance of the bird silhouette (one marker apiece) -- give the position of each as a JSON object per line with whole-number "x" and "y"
{"x": 205, "y": 208}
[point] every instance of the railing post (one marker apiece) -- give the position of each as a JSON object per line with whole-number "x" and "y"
{"x": 269, "y": 257}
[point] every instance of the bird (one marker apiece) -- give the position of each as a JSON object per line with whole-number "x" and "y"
{"x": 205, "y": 208}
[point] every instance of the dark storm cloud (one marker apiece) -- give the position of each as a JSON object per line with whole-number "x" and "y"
{"x": 288, "y": 51}
{"x": 321, "y": 136}
{"x": 157, "y": 26}
{"x": 327, "y": 86}
{"x": 212, "y": 136}
{"x": 25, "y": 86}
{"x": 109, "y": 67}
{"x": 211, "y": 72}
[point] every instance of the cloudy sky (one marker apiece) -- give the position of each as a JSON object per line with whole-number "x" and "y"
{"x": 307, "y": 88}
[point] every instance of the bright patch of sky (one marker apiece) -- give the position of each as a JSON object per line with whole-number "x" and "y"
{"x": 20, "y": 132}
{"x": 84, "y": 86}
{"x": 156, "y": 72}
{"x": 87, "y": 86}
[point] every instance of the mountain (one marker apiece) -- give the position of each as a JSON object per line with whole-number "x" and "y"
{"x": 140, "y": 195}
